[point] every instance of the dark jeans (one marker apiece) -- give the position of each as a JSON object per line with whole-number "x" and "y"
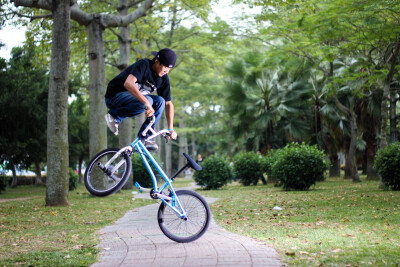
{"x": 124, "y": 105}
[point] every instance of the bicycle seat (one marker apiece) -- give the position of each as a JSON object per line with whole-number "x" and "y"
{"x": 192, "y": 163}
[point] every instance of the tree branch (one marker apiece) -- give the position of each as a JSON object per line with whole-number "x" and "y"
{"x": 42, "y": 4}
{"x": 84, "y": 18}
{"x": 33, "y": 17}
{"x": 120, "y": 21}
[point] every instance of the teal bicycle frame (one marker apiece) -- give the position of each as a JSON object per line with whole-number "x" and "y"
{"x": 171, "y": 201}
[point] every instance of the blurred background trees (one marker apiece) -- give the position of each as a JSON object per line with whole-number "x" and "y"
{"x": 320, "y": 72}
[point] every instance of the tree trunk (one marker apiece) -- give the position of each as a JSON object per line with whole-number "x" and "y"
{"x": 168, "y": 155}
{"x": 57, "y": 120}
{"x": 347, "y": 164}
{"x": 334, "y": 169}
{"x": 125, "y": 132}
{"x": 352, "y": 149}
{"x": 14, "y": 180}
{"x": 393, "y": 119}
{"x": 194, "y": 148}
{"x": 384, "y": 115}
{"x": 97, "y": 88}
{"x": 370, "y": 155}
{"x": 38, "y": 178}
{"x": 389, "y": 77}
{"x": 351, "y": 164}
{"x": 369, "y": 137}
{"x": 80, "y": 180}
{"x": 183, "y": 145}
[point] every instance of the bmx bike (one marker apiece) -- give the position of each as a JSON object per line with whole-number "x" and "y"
{"x": 183, "y": 215}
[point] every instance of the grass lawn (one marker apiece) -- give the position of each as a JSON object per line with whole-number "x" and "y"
{"x": 336, "y": 223}
{"x": 34, "y": 235}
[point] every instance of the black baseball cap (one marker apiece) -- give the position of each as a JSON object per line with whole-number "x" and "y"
{"x": 166, "y": 56}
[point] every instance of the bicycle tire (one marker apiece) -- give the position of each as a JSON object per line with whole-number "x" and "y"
{"x": 180, "y": 230}
{"x": 98, "y": 182}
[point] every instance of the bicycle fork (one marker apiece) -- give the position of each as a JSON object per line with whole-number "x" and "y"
{"x": 171, "y": 201}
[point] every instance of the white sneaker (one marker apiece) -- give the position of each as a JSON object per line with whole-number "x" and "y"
{"x": 112, "y": 123}
{"x": 150, "y": 145}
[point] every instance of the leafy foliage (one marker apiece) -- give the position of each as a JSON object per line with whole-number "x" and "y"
{"x": 23, "y": 93}
{"x": 267, "y": 101}
{"x": 73, "y": 179}
{"x": 215, "y": 173}
{"x": 4, "y": 180}
{"x": 267, "y": 163}
{"x": 299, "y": 166}
{"x": 387, "y": 164}
{"x": 248, "y": 168}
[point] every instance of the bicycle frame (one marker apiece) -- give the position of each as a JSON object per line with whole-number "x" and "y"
{"x": 171, "y": 201}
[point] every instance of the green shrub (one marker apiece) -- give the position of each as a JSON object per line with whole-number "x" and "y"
{"x": 248, "y": 168}
{"x": 387, "y": 164}
{"x": 299, "y": 166}
{"x": 4, "y": 181}
{"x": 73, "y": 179}
{"x": 215, "y": 173}
{"x": 268, "y": 161}
{"x": 140, "y": 173}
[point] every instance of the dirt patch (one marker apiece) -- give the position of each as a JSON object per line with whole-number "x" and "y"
{"x": 12, "y": 199}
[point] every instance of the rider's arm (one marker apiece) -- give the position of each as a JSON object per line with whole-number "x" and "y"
{"x": 130, "y": 85}
{"x": 169, "y": 113}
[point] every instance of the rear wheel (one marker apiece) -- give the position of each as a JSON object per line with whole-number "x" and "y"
{"x": 191, "y": 228}
{"x": 103, "y": 181}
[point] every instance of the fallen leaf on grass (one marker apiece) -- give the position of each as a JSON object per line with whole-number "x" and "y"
{"x": 337, "y": 250}
{"x": 303, "y": 252}
{"x": 348, "y": 235}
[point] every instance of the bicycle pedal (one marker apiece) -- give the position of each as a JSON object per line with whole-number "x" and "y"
{"x": 139, "y": 187}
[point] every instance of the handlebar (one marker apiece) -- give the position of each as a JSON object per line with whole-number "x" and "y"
{"x": 165, "y": 133}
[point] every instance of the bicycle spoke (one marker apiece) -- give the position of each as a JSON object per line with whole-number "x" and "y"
{"x": 107, "y": 173}
{"x": 185, "y": 230}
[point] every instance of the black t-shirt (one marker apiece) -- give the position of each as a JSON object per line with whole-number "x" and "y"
{"x": 147, "y": 81}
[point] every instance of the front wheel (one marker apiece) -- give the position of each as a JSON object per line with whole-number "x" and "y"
{"x": 102, "y": 179}
{"x": 191, "y": 228}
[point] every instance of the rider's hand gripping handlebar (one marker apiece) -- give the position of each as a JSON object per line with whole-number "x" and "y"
{"x": 164, "y": 133}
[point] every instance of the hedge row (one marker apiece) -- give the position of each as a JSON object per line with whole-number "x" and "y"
{"x": 30, "y": 180}
{"x": 296, "y": 166}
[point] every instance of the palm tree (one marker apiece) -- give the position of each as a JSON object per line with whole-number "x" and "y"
{"x": 268, "y": 107}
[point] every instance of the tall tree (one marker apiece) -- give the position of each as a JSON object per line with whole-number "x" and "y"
{"x": 57, "y": 119}
{"x": 322, "y": 31}
{"x": 95, "y": 25}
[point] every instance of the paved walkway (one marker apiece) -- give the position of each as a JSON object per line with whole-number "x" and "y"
{"x": 136, "y": 240}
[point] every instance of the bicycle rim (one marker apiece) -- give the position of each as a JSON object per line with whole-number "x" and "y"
{"x": 198, "y": 218}
{"x": 98, "y": 182}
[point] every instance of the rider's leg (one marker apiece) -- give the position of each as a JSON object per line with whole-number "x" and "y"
{"x": 124, "y": 105}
